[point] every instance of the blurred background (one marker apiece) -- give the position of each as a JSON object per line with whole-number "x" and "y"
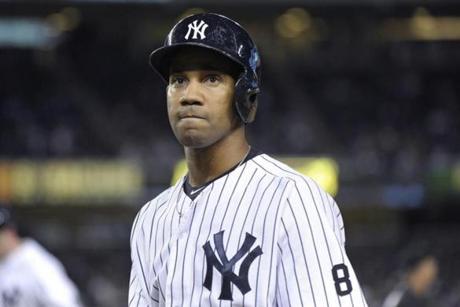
{"x": 364, "y": 94}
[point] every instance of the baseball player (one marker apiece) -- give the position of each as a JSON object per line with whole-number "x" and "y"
{"x": 241, "y": 228}
{"x": 420, "y": 273}
{"x": 29, "y": 275}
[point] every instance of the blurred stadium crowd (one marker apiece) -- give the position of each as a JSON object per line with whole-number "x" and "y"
{"x": 387, "y": 108}
{"x": 392, "y": 104}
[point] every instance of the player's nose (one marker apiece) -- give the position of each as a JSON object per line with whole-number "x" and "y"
{"x": 192, "y": 94}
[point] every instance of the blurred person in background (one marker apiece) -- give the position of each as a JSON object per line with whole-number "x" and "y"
{"x": 417, "y": 282}
{"x": 29, "y": 275}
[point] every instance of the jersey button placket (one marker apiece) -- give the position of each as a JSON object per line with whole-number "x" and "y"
{"x": 186, "y": 220}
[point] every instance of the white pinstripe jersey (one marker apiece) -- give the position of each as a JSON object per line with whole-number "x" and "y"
{"x": 31, "y": 277}
{"x": 261, "y": 235}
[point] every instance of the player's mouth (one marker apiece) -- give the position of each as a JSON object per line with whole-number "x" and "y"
{"x": 189, "y": 115}
{"x": 190, "y": 118}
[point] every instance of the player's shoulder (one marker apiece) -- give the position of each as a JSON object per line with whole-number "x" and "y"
{"x": 277, "y": 168}
{"x": 158, "y": 201}
{"x": 45, "y": 272}
{"x": 37, "y": 260}
{"x": 300, "y": 182}
{"x": 150, "y": 207}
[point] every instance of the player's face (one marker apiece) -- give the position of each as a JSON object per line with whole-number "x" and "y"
{"x": 200, "y": 98}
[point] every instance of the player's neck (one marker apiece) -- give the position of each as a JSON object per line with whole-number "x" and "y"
{"x": 10, "y": 242}
{"x": 206, "y": 164}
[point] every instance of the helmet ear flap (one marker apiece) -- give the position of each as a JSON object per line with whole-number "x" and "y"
{"x": 246, "y": 99}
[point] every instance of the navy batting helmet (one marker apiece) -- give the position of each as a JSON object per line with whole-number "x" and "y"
{"x": 224, "y": 36}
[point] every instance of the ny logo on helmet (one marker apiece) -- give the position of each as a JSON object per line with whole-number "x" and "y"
{"x": 197, "y": 28}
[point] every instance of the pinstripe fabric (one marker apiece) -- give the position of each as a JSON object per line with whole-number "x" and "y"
{"x": 296, "y": 224}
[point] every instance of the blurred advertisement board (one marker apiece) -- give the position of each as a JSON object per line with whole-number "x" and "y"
{"x": 69, "y": 181}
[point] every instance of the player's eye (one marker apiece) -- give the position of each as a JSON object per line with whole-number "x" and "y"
{"x": 176, "y": 80}
{"x": 213, "y": 79}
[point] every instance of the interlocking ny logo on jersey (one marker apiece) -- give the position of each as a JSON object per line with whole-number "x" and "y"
{"x": 197, "y": 28}
{"x": 225, "y": 266}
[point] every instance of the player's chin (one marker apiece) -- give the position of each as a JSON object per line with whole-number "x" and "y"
{"x": 192, "y": 138}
